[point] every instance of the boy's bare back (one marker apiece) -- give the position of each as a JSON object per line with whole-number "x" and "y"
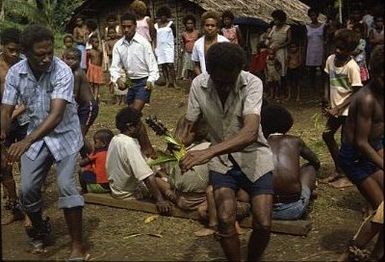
{"x": 287, "y": 151}
{"x": 82, "y": 90}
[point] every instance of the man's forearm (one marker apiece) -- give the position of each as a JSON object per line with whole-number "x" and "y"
{"x": 153, "y": 187}
{"x": 46, "y": 127}
{"x": 371, "y": 154}
{"x": 6, "y": 113}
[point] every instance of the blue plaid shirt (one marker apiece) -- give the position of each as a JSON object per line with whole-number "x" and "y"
{"x": 56, "y": 83}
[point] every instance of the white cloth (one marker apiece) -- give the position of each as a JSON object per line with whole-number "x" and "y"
{"x": 125, "y": 165}
{"x": 164, "y": 44}
{"x": 198, "y": 53}
{"x": 135, "y": 57}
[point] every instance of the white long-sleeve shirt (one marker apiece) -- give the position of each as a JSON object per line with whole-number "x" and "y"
{"x": 135, "y": 57}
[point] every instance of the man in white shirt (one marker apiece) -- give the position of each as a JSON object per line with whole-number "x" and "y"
{"x": 125, "y": 164}
{"x": 210, "y": 21}
{"x": 133, "y": 53}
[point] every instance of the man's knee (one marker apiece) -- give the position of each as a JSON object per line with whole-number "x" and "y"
{"x": 262, "y": 222}
{"x": 226, "y": 222}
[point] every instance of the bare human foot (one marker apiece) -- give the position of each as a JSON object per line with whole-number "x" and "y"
{"x": 341, "y": 182}
{"x": 238, "y": 229}
{"x": 204, "y": 232}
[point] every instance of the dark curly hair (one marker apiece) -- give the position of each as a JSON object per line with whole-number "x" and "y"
{"x": 189, "y": 17}
{"x": 279, "y": 15}
{"x": 34, "y": 34}
{"x": 376, "y": 64}
{"x": 225, "y": 56}
{"x": 105, "y": 136}
{"x": 346, "y": 39}
{"x": 313, "y": 10}
{"x": 10, "y": 35}
{"x": 91, "y": 24}
{"x": 75, "y": 51}
{"x": 163, "y": 11}
{"x": 128, "y": 17}
{"x": 275, "y": 119}
{"x": 125, "y": 117}
{"x": 229, "y": 14}
{"x": 212, "y": 15}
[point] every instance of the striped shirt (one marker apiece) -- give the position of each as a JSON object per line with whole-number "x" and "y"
{"x": 56, "y": 83}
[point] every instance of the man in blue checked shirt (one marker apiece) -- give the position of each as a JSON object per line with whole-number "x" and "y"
{"x": 44, "y": 84}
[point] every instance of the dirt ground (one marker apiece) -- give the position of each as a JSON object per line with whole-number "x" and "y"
{"x": 110, "y": 233}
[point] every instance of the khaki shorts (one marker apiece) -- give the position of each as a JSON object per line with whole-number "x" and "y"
{"x": 378, "y": 217}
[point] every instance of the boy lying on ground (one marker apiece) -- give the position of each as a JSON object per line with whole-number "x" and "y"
{"x": 293, "y": 184}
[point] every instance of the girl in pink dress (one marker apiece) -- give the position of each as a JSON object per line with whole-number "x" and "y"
{"x": 144, "y": 24}
{"x": 231, "y": 31}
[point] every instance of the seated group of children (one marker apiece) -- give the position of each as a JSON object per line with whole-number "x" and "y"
{"x": 119, "y": 166}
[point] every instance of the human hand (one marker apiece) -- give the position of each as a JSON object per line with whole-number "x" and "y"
{"x": 333, "y": 111}
{"x": 164, "y": 207}
{"x": 17, "y": 149}
{"x": 195, "y": 158}
{"x": 149, "y": 86}
{"x": 121, "y": 84}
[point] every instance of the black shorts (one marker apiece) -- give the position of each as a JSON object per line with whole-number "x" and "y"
{"x": 87, "y": 113}
{"x": 293, "y": 74}
{"x": 236, "y": 179}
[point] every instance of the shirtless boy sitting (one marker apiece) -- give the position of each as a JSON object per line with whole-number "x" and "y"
{"x": 293, "y": 184}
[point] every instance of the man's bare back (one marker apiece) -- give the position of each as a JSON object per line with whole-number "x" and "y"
{"x": 366, "y": 101}
{"x": 287, "y": 151}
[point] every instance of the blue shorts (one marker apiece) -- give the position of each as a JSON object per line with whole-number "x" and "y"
{"x": 294, "y": 210}
{"x": 356, "y": 166}
{"x": 236, "y": 179}
{"x": 87, "y": 113}
{"x": 138, "y": 91}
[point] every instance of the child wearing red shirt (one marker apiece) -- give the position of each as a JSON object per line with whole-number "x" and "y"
{"x": 93, "y": 175}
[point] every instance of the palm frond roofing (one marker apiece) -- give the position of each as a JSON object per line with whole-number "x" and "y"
{"x": 295, "y": 10}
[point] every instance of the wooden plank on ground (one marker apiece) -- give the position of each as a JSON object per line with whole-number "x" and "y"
{"x": 292, "y": 227}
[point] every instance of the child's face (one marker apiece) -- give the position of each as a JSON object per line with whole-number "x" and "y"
{"x": 313, "y": 17}
{"x": 95, "y": 43}
{"x": 111, "y": 34}
{"x": 79, "y": 21}
{"x": 210, "y": 27}
{"x": 227, "y": 21}
{"x": 68, "y": 42}
{"x": 189, "y": 25}
{"x": 98, "y": 144}
{"x": 111, "y": 23}
{"x": 71, "y": 60}
{"x": 11, "y": 53}
{"x": 341, "y": 52}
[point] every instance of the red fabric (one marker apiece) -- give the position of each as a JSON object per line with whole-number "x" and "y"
{"x": 258, "y": 62}
{"x": 98, "y": 166}
{"x": 95, "y": 74}
{"x": 189, "y": 39}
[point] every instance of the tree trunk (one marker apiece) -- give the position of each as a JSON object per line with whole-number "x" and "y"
{"x": 2, "y": 13}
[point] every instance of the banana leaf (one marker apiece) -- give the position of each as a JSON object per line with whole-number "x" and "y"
{"x": 161, "y": 159}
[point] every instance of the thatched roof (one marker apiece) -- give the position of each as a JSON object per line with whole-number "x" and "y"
{"x": 295, "y": 10}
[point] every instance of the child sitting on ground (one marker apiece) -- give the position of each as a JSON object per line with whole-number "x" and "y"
{"x": 93, "y": 175}
{"x": 293, "y": 184}
{"x": 294, "y": 63}
{"x": 88, "y": 109}
{"x": 94, "y": 66}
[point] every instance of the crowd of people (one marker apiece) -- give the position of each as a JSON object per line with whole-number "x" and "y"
{"x": 240, "y": 156}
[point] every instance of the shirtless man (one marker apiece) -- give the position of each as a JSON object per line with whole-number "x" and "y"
{"x": 10, "y": 56}
{"x": 87, "y": 107}
{"x": 361, "y": 152}
{"x": 80, "y": 33}
{"x": 293, "y": 184}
